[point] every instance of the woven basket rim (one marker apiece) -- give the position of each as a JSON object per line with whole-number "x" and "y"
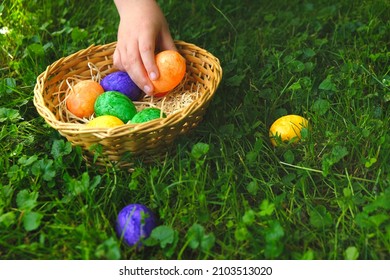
{"x": 172, "y": 118}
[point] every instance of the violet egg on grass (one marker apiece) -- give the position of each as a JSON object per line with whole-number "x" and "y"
{"x": 135, "y": 222}
{"x": 121, "y": 81}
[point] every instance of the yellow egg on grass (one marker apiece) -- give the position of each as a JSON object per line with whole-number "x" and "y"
{"x": 105, "y": 122}
{"x": 287, "y": 128}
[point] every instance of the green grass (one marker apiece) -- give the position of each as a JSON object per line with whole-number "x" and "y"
{"x": 225, "y": 193}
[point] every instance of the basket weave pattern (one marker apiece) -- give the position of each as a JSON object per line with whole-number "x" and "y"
{"x": 184, "y": 107}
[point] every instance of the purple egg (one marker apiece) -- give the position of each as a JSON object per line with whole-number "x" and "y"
{"x": 135, "y": 222}
{"x": 121, "y": 81}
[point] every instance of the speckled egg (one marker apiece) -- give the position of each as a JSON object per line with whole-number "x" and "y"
{"x": 134, "y": 223}
{"x": 116, "y": 104}
{"x": 120, "y": 81}
{"x": 147, "y": 114}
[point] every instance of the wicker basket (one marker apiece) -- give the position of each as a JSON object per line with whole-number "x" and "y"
{"x": 185, "y": 106}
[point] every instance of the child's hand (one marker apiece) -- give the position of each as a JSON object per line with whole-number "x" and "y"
{"x": 142, "y": 29}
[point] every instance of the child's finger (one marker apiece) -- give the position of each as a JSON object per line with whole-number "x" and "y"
{"x": 147, "y": 53}
{"x": 129, "y": 60}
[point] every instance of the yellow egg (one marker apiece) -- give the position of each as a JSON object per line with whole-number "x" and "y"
{"x": 287, "y": 128}
{"x": 105, "y": 122}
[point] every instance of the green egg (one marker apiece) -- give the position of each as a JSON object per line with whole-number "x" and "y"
{"x": 146, "y": 115}
{"x": 115, "y": 104}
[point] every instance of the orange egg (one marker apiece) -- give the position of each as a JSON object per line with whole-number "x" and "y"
{"x": 82, "y": 98}
{"x": 160, "y": 94}
{"x": 172, "y": 68}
